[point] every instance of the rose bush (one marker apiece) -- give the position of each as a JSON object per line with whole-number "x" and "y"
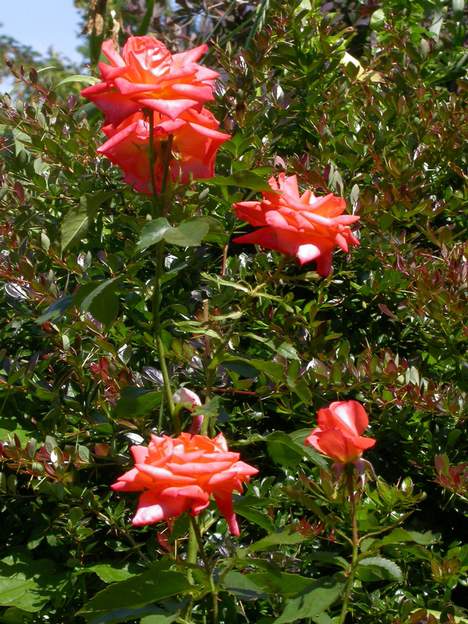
{"x": 147, "y": 76}
{"x": 304, "y": 226}
{"x": 103, "y": 320}
{"x": 195, "y": 141}
{"x": 339, "y": 430}
{"x": 180, "y": 474}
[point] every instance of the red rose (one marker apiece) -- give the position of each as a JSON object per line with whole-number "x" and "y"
{"x": 180, "y": 474}
{"x": 338, "y": 434}
{"x": 304, "y": 226}
{"x": 148, "y": 76}
{"x": 196, "y": 140}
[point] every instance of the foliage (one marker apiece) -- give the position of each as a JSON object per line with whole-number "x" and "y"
{"x": 361, "y": 99}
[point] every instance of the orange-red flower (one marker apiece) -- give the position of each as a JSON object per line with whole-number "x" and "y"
{"x": 147, "y": 76}
{"x": 304, "y": 226}
{"x": 180, "y": 474}
{"x": 195, "y": 142}
{"x": 339, "y": 430}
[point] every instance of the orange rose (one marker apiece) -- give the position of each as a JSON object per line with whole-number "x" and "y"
{"x": 180, "y": 474}
{"x": 304, "y": 226}
{"x": 196, "y": 140}
{"x": 338, "y": 434}
{"x": 148, "y": 76}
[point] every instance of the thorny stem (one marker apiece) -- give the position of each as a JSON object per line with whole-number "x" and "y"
{"x": 355, "y": 543}
{"x": 160, "y": 208}
{"x": 195, "y": 531}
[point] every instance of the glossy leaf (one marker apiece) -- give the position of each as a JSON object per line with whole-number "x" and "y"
{"x": 153, "y": 232}
{"x": 312, "y": 602}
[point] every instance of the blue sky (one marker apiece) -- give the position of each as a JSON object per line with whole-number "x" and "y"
{"x": 42, "y": 24}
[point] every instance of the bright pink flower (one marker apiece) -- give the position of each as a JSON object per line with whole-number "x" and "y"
{"x": 339, "y": 430}
{"x": 180, "y": 474}
{"x": 148, "y": 76}
{"x": 304, "y": 226}
{"x": 196, "y": 140}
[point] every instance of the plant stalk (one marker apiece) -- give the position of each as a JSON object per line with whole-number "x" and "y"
{"x": 355, "y": 545}
{"x": 158, "y": 209}
{"x": 195, "y": 531}
{"x": 152, "y": 163}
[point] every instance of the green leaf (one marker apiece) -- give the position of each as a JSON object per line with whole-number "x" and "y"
{"x": 244, "y": 179}
{"x": 400, "y": 536}
{"x": 287, "y": 351}
{"x": 283, "y": 450}
{"x": 322, "y": 618}
{"x": 118, "y": 616}
{"x": 56, "y": 310}
{"x": 78, "y": 78}
{"x": 378, "y": 569}
{"x": 152, "y": 233}
{"x": 162, "y": 618}
{"x": 189, "y": 233}
{"x": 26, "y": 583}
{"x": 137, "y": 402}
{"x": 217, "y": 233}
{"x": 298, "y": 437}
{"x": 243, "y": 507}
{"x": 241, "y": 368}
{"x": 9, "y": 428}
{"x": 144, "y": 589}
{"x": 22, "y": 592}
{"x": 12, "y": 615}
{"x": 75, "y": 223}
{"x": 243, "y": 586}
{"x": 312, "y": 602}
{"x": 275, "y": 539}
{"x": 283, "y": 583}
{"x": 99, "y": 299}
{"x": 109, "y": 573}
{"x": 273, "y": 370}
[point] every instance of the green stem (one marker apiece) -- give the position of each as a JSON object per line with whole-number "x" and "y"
{"x": 145, "y": 22}
{"x": 152, "y": 161}
{"x": 159, "y": 264}
{"x": 213, "y": 589}
{"x": 165, "y": 184}
{"x": 192, "y": 550}
{"x": 198, "y": 538}
{"x": 355, "y": 542}
{"x": 192, "y": 544}
{"x": 167, "y": 386}
{"x": 214, "y": 599}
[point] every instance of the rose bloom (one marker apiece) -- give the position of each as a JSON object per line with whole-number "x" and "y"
{"x": 304, "y": 226}
{"x": 147, "y": 76}
{"x": 195, "y": 142}
{"x": 180, "y": 474}
{"x": 339, "y": 430}
{"x": 186, "y": 397}
{"x": 190, "y": 400}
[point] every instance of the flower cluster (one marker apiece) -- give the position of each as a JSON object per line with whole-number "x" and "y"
{"x": 148, "y": 87}
{"x": 156, "y": 125}
{"x": 180, "y": 474}
{"x": 303, "y": 226}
